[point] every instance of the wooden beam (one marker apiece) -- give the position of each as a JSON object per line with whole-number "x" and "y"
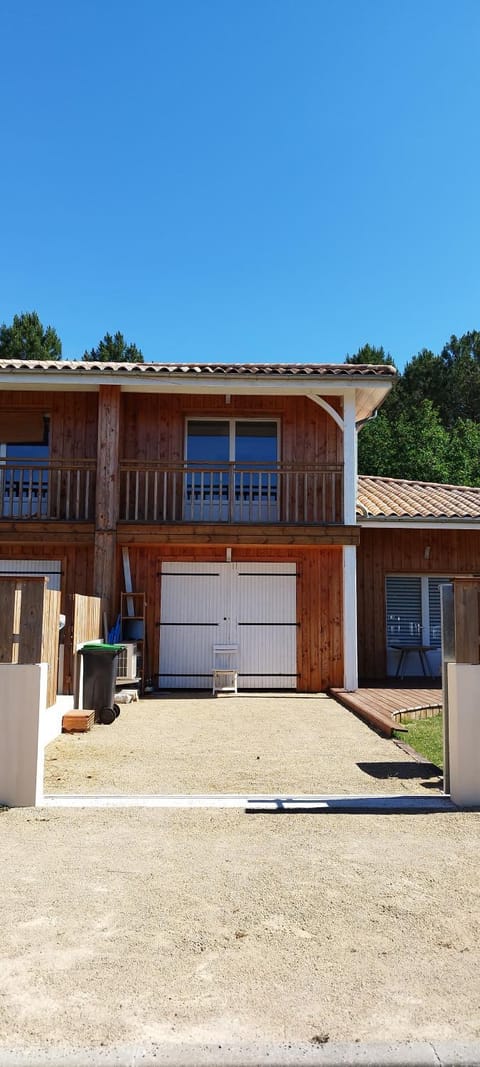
{"x": 106, "y": 511}
{"x": 58, "y": 533}
{"x": 245, "y": 534}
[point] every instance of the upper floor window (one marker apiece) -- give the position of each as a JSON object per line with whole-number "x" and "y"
{"x": 24, "y": 452}
{"x": 232, "y": 440}
{"x": 233, "y": 473}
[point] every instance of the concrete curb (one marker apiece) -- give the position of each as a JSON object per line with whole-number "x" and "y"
{"x": 377, "y": 1054}
{"x": 251, "y": 803}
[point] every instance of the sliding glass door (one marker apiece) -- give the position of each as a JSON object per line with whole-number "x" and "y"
{"x": 231, "y": 471}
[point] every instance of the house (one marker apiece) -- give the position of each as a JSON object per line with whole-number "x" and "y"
{"x": 414, "y": 536}
{"x": 233, "y": 487}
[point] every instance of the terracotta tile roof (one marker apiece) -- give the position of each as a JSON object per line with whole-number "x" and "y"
{"x": 392, "y": 498}
{"x": 327, "y": 370}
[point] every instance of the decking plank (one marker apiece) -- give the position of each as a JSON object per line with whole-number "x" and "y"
{"x": 381, "y": 705}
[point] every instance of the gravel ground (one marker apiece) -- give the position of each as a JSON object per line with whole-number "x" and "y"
{"x": 266, "y": 743}
{"x": 192, "y": 926}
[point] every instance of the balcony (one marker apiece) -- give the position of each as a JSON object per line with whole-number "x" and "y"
{"x": 44, "y": 490}
{"x": 64, "y": 491}
{"x": 231, "y": 493}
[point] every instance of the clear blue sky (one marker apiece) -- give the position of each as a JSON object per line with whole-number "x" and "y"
{"x": 242, "y": 179}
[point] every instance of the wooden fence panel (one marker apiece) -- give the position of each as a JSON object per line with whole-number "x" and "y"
{"x": 84, "y": 623}
{"x": 29, "y": 617}
{"x": 87, "y": 619}
{"x": 467, "y": 620}
{"x": 50, "y": 632}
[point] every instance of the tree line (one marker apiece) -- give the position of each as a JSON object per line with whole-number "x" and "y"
{"x": 428, "y": 428}
{"x": 26, "y": 338}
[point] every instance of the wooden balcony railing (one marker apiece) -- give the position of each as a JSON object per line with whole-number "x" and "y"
{"x": 44, "y": 490}
{"x": 178, "y": 493}
{"x": 190, "y": 492}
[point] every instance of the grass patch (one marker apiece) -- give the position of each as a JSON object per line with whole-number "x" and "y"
{"x": 426, "y": 737}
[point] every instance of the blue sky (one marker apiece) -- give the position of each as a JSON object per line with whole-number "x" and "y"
{"x": 256, "y": 180}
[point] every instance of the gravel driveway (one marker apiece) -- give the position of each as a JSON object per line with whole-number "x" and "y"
{"x": 153, "y": 925}
{"x": 270, "y": 743}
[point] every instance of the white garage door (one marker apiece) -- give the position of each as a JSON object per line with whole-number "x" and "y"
{"x": 251, "y": 605}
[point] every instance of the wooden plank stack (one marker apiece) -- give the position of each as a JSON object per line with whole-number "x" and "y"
{"x": 78, "y": 721}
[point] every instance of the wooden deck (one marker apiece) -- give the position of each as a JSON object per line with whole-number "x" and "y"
{"x": 382, "y": 703}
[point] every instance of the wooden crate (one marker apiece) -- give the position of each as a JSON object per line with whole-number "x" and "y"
{"x": 78, "y": 721}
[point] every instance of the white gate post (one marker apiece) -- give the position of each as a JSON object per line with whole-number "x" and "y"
{"x": 23, "y": 699}
{"x": 464, "y": 732}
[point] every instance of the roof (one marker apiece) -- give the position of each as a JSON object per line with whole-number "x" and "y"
{"x": 397, "y": 499}
{"x": 290, "y": 370}
{"x": 368, "y": 383}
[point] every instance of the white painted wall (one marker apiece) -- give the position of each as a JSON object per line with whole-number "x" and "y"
{"x": 464, "y": 732}
{"x": 26, "y": 726}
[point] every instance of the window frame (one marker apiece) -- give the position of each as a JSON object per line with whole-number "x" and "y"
{"x": 232, "y": 421}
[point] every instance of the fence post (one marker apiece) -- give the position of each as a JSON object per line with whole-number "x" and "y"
{"x": 463, "y": 684}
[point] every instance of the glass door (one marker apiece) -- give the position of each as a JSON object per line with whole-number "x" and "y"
{"x": 206, "y": 496}
{"x": 231, "y": 471}
{"x": 256, "y": 479}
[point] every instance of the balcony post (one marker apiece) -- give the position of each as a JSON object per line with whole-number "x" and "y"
{"x": 107, "y": 496}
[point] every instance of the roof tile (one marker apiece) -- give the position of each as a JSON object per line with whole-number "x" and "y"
{"x": 392, "y": 498}
{"x": 342, "y": 370}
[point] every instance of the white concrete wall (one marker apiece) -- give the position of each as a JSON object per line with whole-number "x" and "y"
{"x": 464, "y": 732}
{"x": 51, "y": 719}
{"x": 23, "y": 696}
{"x": 26, "y": 726}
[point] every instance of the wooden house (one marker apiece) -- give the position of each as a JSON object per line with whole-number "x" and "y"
{"x": 414, "y": 537}
{"x": 233, "y": 487}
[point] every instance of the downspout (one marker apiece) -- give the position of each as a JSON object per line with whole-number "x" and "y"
{"x": 363, "y": 422}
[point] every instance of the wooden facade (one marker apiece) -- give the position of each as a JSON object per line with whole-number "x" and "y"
{"x": 107, "y": 440}
{"x": 430, "y": 551}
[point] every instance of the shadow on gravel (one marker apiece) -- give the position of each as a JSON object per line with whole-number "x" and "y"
{"x": 400, "y": 770}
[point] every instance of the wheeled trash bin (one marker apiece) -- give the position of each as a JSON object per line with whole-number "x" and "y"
{"x": 100, "y": 663}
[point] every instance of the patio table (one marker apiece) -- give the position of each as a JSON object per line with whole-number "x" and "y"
{"x": 406, "y": 651}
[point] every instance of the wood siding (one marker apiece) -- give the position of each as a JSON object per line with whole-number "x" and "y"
{"x": 397, "y": 551}
{"x": 319, "y": 602}
{"x": 73, "y": 419}
{"x": 153, "y": 427}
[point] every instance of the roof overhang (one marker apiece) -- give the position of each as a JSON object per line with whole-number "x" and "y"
{"x": 369, "y": 384}
{"x": 408, "y": 523}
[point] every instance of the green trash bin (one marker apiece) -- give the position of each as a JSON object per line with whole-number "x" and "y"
{"x": 100, "y": 662}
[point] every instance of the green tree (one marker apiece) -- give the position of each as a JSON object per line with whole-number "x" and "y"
{"x": 26, "y": 338}
{"x": 461, "y": 362}
{"x": 370, "y": 354}
{"x": 465, "y": 453}
{"x": 422, "y": 379}
{"x": 413, "y": 446}
{"x": 114, "y": 350}
{"x": 422, "y": 445}
{"x": 377, "y": 446}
